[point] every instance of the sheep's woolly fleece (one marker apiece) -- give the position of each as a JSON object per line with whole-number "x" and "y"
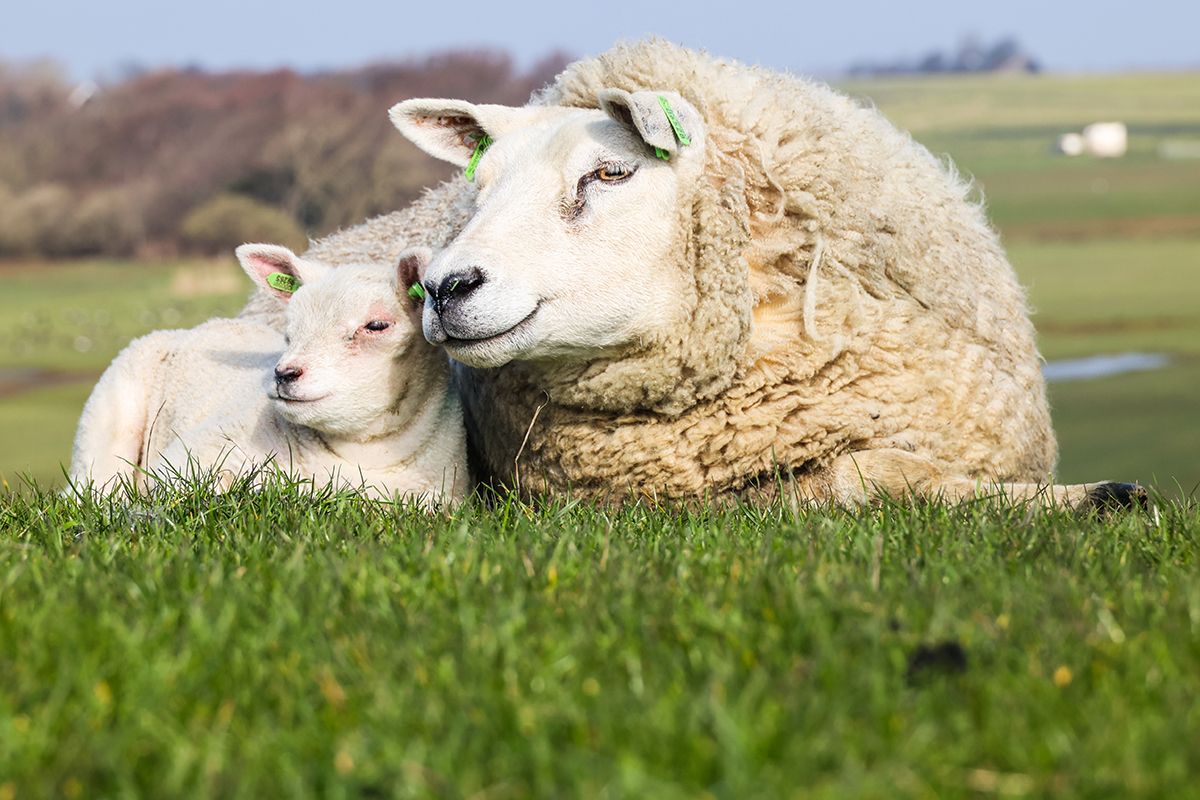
{"x": 849, "y": 298}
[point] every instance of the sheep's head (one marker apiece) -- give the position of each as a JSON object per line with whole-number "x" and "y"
{"x": 577, "y": 248}
{"x": 353, "y": 342}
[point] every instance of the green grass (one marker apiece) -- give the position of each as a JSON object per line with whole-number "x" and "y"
{"x": 1111, "y": 295}
{"x": 284, "y": 644}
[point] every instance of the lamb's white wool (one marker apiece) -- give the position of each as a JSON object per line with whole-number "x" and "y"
{"x": 350, "y": 394}
{"x": 634, "y": 313}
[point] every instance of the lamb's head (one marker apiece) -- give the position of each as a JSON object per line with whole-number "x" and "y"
{"x": 576, "y": 249}
{"x": 353, "y": 339}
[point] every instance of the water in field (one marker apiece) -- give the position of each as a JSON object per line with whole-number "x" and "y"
{"x": 1080, "y": 369}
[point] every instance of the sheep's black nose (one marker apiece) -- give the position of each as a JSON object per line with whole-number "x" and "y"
{"x": 287, "y": 374}
{"x": 454, "y": 287}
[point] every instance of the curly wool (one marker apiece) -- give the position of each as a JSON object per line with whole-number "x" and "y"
{"x": 847, "y": 297}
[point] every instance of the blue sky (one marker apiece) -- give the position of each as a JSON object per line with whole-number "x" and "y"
{"x": 100, "y": 35}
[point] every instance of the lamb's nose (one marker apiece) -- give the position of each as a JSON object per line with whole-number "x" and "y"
{"x": 289, "y": 374}
{"x": 454, "y": 287}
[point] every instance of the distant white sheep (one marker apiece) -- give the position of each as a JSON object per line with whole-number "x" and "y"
{"x": 357, "y": 397}
{"x": 1100, "y": 139}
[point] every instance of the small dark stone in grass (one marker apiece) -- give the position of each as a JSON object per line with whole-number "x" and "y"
{"x": 941, "y": 658}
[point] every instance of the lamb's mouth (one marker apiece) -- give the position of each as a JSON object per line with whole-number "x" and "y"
{"x": 297, "y": 400}
{"x": 513, "y": 332}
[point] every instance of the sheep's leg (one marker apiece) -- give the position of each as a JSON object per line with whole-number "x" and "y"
{"x": 856, "y": 478}
{"x": 111, "y": 436}
{"x": 109, "y": 441}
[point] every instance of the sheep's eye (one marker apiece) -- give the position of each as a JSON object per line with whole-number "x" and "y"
{"x": 377, "y": 325}
{"x": 612, "y": 173}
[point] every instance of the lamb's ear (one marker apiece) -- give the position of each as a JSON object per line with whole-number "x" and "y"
{"x": 277, "y": 270}
{"x": 451, "y": 129}
{"x": 664, "y": 120}
{"x": 410, "y": 272}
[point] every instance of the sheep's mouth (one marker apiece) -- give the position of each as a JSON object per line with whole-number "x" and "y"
{"x": 495, "y": 338}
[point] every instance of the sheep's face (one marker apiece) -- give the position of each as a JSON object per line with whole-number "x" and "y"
{"x": 350, "y": 337}
{"x": 571, "y": 253}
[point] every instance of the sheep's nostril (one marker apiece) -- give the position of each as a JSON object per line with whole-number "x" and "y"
{"x": 455, "y": 286}
{"x": 287, "y": 374}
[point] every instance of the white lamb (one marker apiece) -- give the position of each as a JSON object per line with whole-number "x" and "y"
{"x": 357, "y": 397}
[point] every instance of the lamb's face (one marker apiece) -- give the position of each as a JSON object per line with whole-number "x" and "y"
{"x": 349, "y": 337}
{"x": 569, "y": 254}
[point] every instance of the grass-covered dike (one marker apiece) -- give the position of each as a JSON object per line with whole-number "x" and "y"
{"x": 283, "y": 642}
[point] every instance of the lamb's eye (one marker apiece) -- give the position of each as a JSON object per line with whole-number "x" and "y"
{"x": 612, "y": 173}
{"x": 377, "y": 325}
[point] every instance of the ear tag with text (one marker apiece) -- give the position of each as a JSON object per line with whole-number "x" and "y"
{"x": 676, "y": 126}
{"x": 283, "y": 282}
{"x": 483, "y": 144}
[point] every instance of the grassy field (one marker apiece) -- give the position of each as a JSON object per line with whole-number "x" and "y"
{"x": 284, "y": 644}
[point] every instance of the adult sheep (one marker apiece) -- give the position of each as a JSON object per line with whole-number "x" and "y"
{"x": 775, "y": 281}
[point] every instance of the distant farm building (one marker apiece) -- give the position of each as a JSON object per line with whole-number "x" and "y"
{"x": 1100, "y": 139}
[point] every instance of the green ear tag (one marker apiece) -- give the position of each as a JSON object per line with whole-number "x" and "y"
{"x": 283, "y": 282}
{"x": 663, "y": 154}
{"x": 483, "y": 144}
{"x": 416, "y": 291}
{"x": 680, "y": 133}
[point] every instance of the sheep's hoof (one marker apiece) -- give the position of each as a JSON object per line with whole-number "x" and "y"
{"x": 1117, "y": 497}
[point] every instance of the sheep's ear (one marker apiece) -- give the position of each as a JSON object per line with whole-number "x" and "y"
{"x": 664, "y": 120}
{"x": 277, "y": 270}
{"x": 410, "y": 272}
{"x": 451, "y": 129}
